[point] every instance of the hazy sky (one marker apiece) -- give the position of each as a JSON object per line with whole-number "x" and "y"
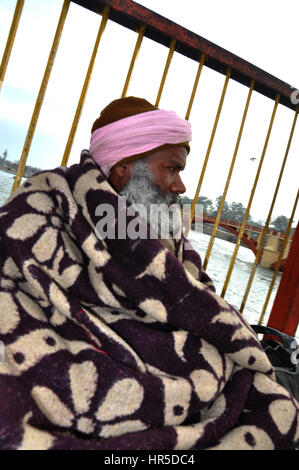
{"x": 263, "y": 32}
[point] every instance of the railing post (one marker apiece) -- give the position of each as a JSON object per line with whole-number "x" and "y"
{"x": 10, "y": 39}
{"x": 40, "y": 96}
{"x": 208, "y": 152}
{"x": 166, "y": 68}
{"x": 81, "y": 101}
{"x": 285, "y": 311}
{"x": 253, "y": 189}
{"x": 133, "y": 60}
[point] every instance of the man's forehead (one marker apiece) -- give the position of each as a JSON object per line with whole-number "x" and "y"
{"x": 177, "y": 155}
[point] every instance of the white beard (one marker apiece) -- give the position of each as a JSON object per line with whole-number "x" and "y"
{"x": 161, "y": 211}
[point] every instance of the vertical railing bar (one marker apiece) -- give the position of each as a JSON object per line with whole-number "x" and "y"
{"x": 264, "y": 232}
{"x": 166, "y": 68}
{"x": 195, "y": 85}
{"x": 282, "y": 249}
{"x": 208, "y": 149}
{"x": 81, "y": 101}
{"x": 40, "y": 97}
{"x": 230, "y": 172}
{"x": 242, "y": 227}
{"x": 187, "y": 116}
{"x": 133, "y": 60}
{"x": 10, "y": 40}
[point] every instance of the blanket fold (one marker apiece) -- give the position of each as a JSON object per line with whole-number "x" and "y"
{"x": 118, "y": 343}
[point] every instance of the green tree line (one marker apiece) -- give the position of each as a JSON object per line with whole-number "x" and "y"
{"x": 236, "y": 211}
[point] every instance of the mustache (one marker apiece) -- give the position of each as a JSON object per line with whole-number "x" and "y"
{"x": 173, "y": 198}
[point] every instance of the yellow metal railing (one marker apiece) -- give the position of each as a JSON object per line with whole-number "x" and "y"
{"x": 166, "y": 69}
{"x": 195, "y": 85}
{"x": 41, "y": 95}
{"x": 228, "y": 179}
{"x": 208, "y": 152}
{"x": 262, "y": 239}
{"x": 85, "y": 88}
{"x": 242, "y": 228}
{"x": 10, "y": 39}
{"x": 175, "y": 43}
{"x": 133, "y": 60}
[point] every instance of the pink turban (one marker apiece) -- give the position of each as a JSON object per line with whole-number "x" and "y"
{"x": 149, "y": 129}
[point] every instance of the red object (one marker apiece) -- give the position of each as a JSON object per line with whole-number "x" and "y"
{"x": 89, "y": 336}
{"x": 228, "y": 225}
{"x": 281, "y": 266}
{"x": 285, "y": 311}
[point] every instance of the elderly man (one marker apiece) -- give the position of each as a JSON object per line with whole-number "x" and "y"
{"x": 132, "y": 153}
{"x": 119, "y": 342}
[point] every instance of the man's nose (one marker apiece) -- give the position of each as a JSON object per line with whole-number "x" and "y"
{"x": 178, "y": 186}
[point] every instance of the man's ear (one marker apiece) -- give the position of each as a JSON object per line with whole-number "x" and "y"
{"x": 120, "y": 175}
{"x": 121, "y": 170}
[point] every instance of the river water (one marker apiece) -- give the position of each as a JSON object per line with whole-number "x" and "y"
{"x": 6, "y": 181}
{"x": 217, "y": 268}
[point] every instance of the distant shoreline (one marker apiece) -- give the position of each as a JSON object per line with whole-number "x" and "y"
{"x": 26, "y": 174}
{"x": 7, "y": 171}
{"x": 11, "y": 167}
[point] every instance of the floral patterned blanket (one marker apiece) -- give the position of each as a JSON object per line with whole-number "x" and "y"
{"x": 116, "y": 343}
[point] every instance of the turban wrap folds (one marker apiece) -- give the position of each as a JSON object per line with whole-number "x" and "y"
{"x": 133, "y": 127}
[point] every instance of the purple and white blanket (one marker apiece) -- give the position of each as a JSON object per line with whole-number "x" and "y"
{"x": 118, "y": 343}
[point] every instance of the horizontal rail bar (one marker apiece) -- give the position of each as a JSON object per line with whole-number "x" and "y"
{"x": 160, "y": 29}
{"x": 253, "y": 228}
